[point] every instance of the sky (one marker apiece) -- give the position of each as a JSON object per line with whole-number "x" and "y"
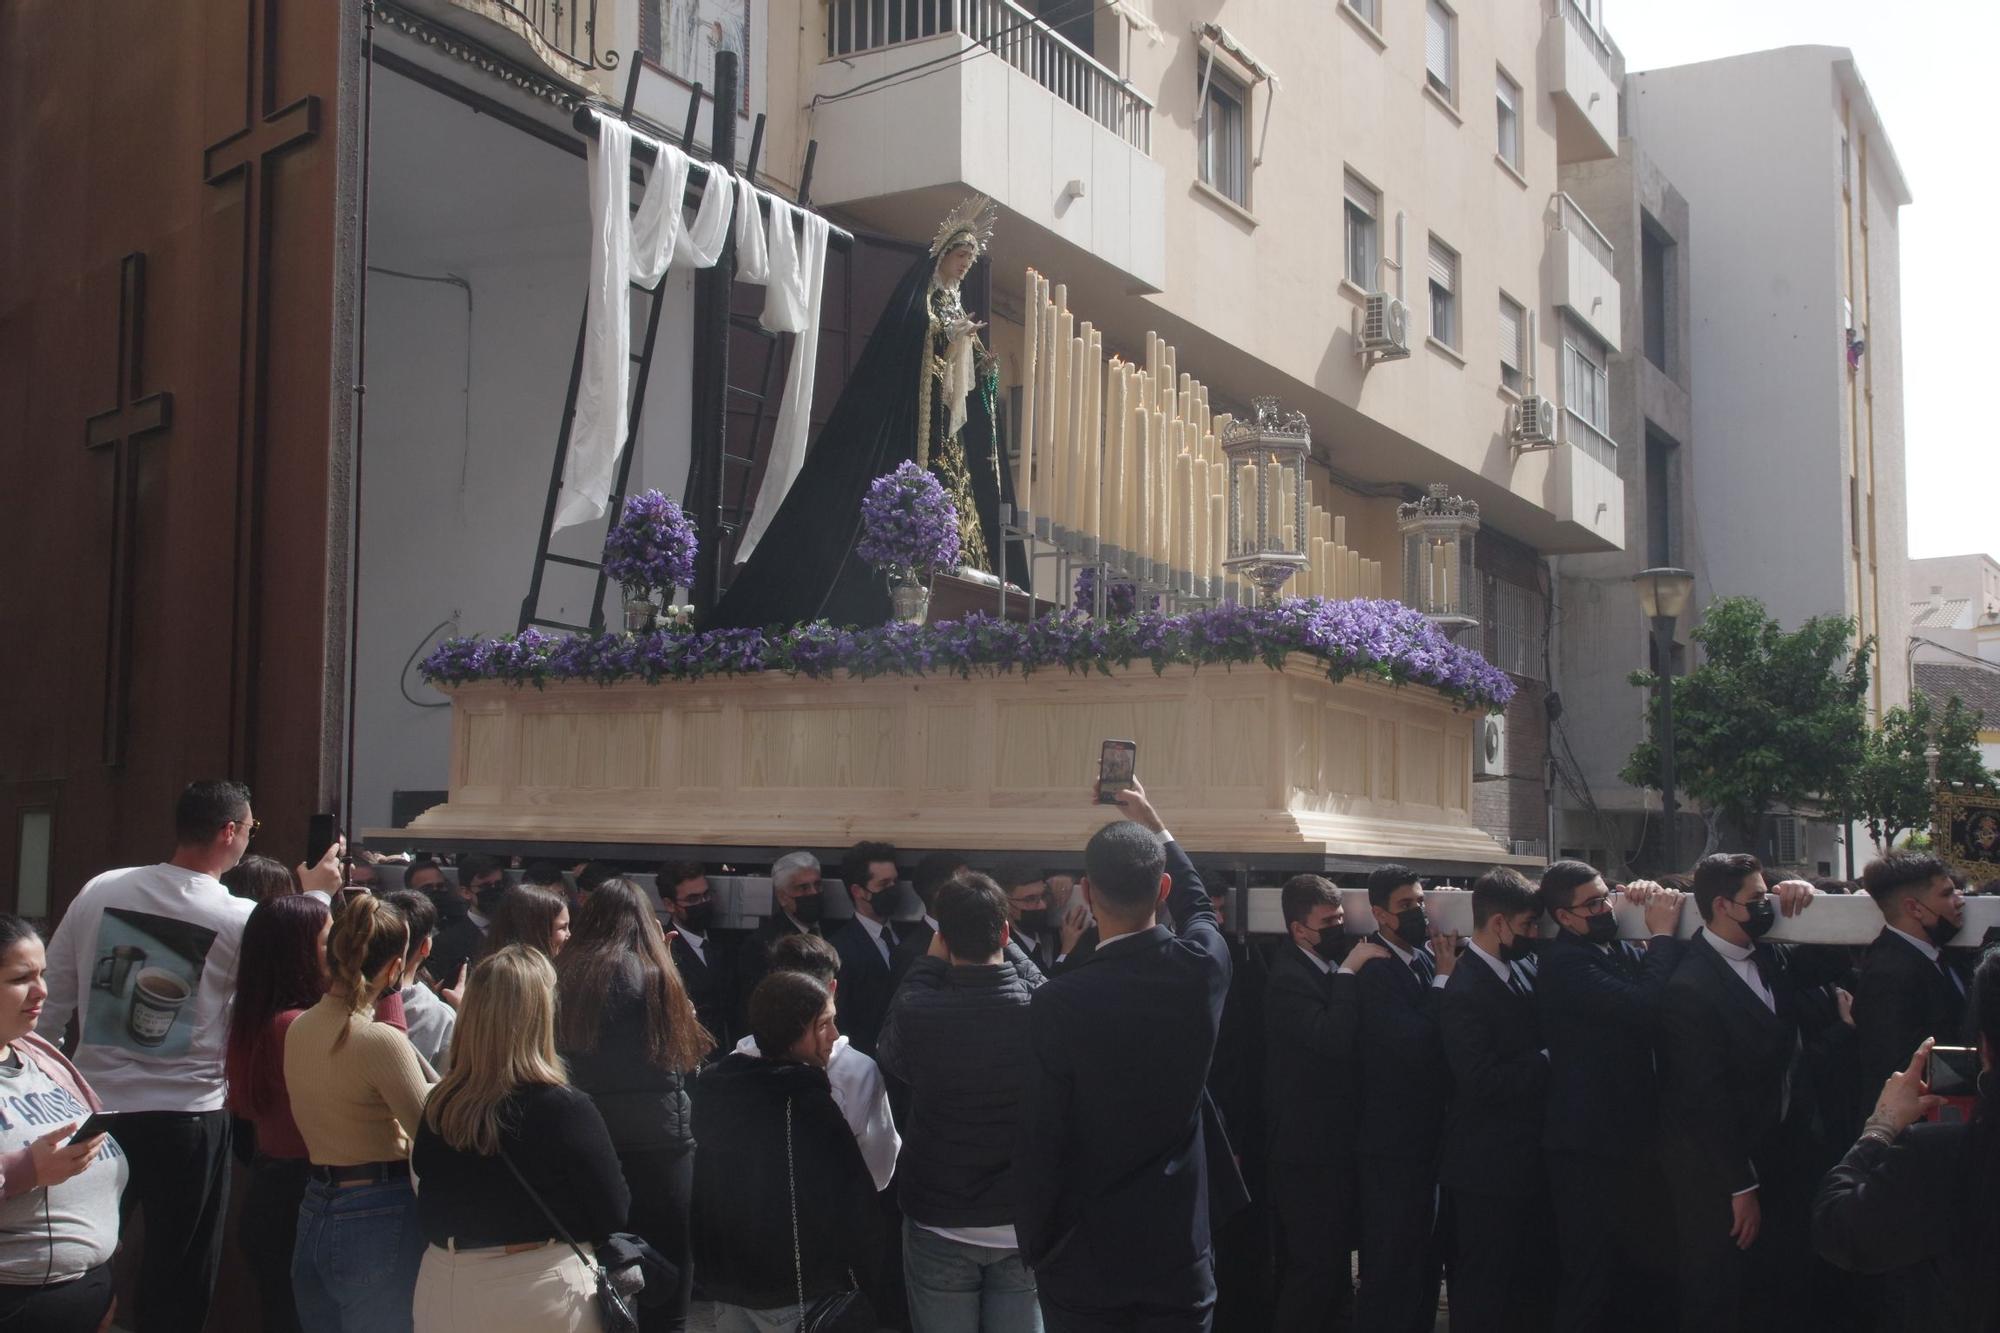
{"x": 1941, "y": 123}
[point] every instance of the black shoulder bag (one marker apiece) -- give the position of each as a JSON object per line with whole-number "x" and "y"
{"x": 842, "y": 1311}
{"x": 612, "y": 1305}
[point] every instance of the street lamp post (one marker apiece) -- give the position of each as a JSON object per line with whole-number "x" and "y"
{"x": 1663, "y": 596}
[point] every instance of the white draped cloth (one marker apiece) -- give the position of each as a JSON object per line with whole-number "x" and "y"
{"x": 627, "y": 249}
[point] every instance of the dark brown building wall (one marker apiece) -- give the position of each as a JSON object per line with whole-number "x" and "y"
{"x": 116, "y": 126}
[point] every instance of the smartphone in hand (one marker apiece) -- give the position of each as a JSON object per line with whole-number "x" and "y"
{"x": 1117, "y": 765}
{"x": 96, "y": 1123}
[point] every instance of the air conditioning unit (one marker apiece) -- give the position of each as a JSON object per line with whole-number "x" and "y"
{"x": 1385, "y": 327}
{"x": 1489, "y": 747}
{"x": 1534, "y": 422}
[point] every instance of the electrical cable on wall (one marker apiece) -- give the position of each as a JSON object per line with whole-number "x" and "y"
{"x": 465, "y": 440}
{"x": 403, "y": 676}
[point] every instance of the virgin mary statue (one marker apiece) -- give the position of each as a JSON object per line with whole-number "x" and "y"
{"x": 923, "y": 389}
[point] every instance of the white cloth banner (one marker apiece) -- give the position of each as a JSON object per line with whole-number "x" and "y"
{"x": 791, "y": 305}
{"x": 628, "y": 248}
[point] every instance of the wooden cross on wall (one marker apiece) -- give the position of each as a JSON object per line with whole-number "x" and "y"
{"x": 132, "y": 419}
{"x": 247, "y": 157}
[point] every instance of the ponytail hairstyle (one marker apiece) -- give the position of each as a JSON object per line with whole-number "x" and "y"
{"x": 617, "y": 937}
{"x": 279, "y": 970}
{"x": 526, "y": 914}
{"x": 368, "y": 935}
{"x": 505, "y": 1040}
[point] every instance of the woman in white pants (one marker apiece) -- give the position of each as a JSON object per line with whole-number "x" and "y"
{"x": 505, "y": 1143}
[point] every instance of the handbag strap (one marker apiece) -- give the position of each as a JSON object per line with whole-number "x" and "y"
{"x": 547, "y": 1212}
{"x": 792, "y": 1179}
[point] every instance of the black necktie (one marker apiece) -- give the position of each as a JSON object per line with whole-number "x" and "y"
{"x": 1518, "y": 983}
{"x": 888, "y": 935}
{"x": 1421, "y": 964}
{"x": 1951, "y": 975}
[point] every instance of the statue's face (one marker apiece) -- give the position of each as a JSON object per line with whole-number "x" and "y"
{"x": 954, "y": 263}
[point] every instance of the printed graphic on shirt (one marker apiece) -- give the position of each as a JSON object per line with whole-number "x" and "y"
{"x": 143, "y": 983}
{"x": 26, "y": 1116}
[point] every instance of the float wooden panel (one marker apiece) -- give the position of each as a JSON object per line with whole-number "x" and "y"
{"x": 1246, "y": 761}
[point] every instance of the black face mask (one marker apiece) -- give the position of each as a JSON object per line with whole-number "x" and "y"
{"x": 1413, "y": 927}
{"x": 1763, "y": 914}
{"x": 1600, "y": 929}
{"x": 489, "y": 898}
{"x": 886, "y": 901}
{"x": 1034, "y": 920}
{"x": 699, "y": 917}
{"x": 1939, "y": 930}
{"x": 1522, "y": 947}
{"x": 1331, "y": 946}
{"x": 806, "y": 910}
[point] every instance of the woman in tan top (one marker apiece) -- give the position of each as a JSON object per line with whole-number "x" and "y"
{"x": 357, "y": 1090}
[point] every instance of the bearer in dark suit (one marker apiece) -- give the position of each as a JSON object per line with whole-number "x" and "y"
{"x": 1312, "y": 1006}
{"x": 795, "y": 910}
{"x": 867, "y": 944}
{"x": 1491, "y": 1164}
{"x": 1909, "y": 989}
{"x": 1730, "y": 1050}
{"x": 703, "y": 963}
{"x": 1405, "y": 1088}
{"x": 1123, "y": 1169}
{"x": 1600, "y": 1009}
{"x": 913, "y": 939}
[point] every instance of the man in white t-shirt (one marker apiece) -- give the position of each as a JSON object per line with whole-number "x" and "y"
{"x": 145, "y": 962}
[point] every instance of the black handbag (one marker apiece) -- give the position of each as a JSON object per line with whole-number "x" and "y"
{"x": 613, "y": 1306}
{"x": 838, "y": 1312}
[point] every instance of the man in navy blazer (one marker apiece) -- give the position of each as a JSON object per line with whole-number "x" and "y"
{"x": 1123, "y": 1169}
{"x": 867, "y": 944}
{"x": 1909, "y": 988}
{"x": 1600, "y": 1007}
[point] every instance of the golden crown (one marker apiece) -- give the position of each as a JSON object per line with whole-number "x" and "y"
{"x": 973, "y": 221}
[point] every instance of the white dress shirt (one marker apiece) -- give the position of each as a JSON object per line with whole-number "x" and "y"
{"x": 1500, "y": 969}
{"x": 874, "y": 929}
{"x": 1438, "y": 978}
{"x": 1742, "y": 961}
{"x": 863, "y": 1099}
{"x": 694, "y": 942}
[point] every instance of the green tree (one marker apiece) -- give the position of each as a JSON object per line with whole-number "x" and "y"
{"x": 1891, "y": 787}
{"x": 1771, "y": 717}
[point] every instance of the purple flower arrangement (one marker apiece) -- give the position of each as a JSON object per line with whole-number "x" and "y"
{"x": 1361, "y": 637}
{"x": 909, "y": 525}
{"x": 1121, "y": 600}
{"x": 651, "y": 547}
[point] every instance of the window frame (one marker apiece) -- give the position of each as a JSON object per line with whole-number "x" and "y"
{"x": 1450, "y": 329}
{"x": 1445, "y": 87}
{"x": 1222, "y": 80}
{"x": 1582, "y": 347}
{"x": 1503, "y": 81}
{"x": 1354, "y": 183}
{"x": 1362, "y": 10}
{"x": 1519, "y": 384}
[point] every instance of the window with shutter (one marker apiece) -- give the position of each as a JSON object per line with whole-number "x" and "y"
{"x": 1444, "y": 292}
{"x": 1224, "y": 165}
{"x": 1364, "y": 251}
{"x": 1507, "y": 103}
{"x": 1440, "y": 36}
{"x": 1513, "y": 341}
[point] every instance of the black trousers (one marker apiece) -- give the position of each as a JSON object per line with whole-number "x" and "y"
{"x": 180, "y": 1185}
{"x": 1313, "y": 1206}
{"x": 1066, "y": 1315}
{"x": 1401, "y": 1246}
{"x": 269, "y": 1231}
{"x": 1498, "y": 1262}
{"x": 662, "y": 1185}
{"x": 75, "y": 1306}
{"x": 1611, "y": 1224}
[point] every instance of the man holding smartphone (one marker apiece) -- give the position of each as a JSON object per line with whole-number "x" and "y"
{"x": 1908, "y": 988}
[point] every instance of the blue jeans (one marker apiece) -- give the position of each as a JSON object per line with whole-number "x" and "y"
{"x": 956, "y": 1288}
{"x": 355, "y": 1267}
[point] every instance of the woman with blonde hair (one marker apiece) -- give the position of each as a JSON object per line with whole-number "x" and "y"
{"x": 628, "y": 1032}
{"x": 509, "y": 1158}
{"x": 356, "y": 1089}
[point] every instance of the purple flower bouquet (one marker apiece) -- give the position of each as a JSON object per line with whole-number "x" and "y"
{"x": 909, "y": 526}
{"x": 651, "y": 548}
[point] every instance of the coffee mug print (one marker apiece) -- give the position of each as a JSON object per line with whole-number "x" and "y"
{"x": 145, "y": 983}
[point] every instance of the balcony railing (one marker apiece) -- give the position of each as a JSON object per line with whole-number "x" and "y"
{"x": 854, "y": 27}
{"x": 1580, "y": 24}
{"x": 1572, "y": 219}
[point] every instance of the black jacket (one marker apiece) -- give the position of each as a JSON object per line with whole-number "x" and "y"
{"x": 556, "y": 1138}
{"x": 1600, "y": 1014}
{"x": 1312, "y": 1099}
{"x": 1500, "y": 1084}
{"x": 958, "y": 1036}
{"x": 1405, "y": 1081}
{"x": 753, "y": 960}
{"x": 644, "y": 1106}
{"x": 1902, "y": 998}
{"x": 866, "y": 986}
{"x": 742, "y": 1212}
{"x": 456, "y": 943}
{"x": 1911, "y": 1211}
{"x": 709, "y": 987}
{"x": 1725, "y": 1059}
{"x": 1123, "y": 1168}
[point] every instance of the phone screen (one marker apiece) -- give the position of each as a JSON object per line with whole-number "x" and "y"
{"x": 1954, "y": 1071}
{"x": 1117, "y": 764}
{"x": 319, "y": 837}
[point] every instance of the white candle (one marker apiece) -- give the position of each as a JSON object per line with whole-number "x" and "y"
{"x": 1093, "y": 461}
{"x": 1079, "y": 393}
{"x": 1142, "y": 482}
{"x": 1115, "y": 418}
{"x": 1031, "y": 328}
{"x": 1198, "y": 501}
{"x": 1058, "y": 451}
{"x": 1218, "y": 531}
{"x": 1246, "y": 508}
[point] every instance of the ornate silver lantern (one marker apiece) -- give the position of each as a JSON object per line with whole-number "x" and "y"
{"x": 1438, "y": 577}
{"x": 1267, "y": 496}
